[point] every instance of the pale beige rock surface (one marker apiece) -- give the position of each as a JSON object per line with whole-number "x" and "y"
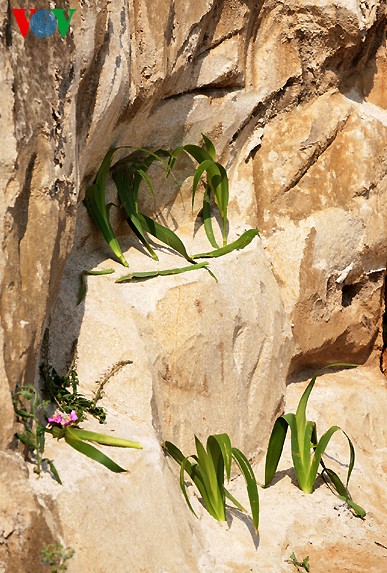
{"x": 293, "y": 95}
{"x": 197, "y": 353}
{"x": 152, "y": 529}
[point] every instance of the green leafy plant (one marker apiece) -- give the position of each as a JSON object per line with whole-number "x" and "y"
{"x": 216, "y": 184}
{"x": 300, "y": 565}
{"x": 151, "y": 274}
{"x": 29, "y": 410}
{"x": 73, "y": 408}
{"x": 128, "y": 173}
{"x": 66, "y": 427}
{"x": 54, "y": 555}
{"x": 63, "y": 390}
{"x": 307, "y": 450}
{"x": 100, "y": 211}
{"x": 207, "y": 470}
{"x": 240, "y": 243}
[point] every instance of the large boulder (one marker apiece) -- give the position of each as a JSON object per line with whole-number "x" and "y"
{"x": 324, "y": 222}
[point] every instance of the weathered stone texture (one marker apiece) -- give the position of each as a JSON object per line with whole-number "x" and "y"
{"x": 293, "y": 95}
{"x": 23, "y": 528}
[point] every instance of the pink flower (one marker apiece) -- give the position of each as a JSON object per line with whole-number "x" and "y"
{"x": 73, "y": 416}
{"x": 56, "y": 419}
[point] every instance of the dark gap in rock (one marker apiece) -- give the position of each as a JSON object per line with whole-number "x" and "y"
{"x": 349, "y": 292}
{"x": 383, "y": 357}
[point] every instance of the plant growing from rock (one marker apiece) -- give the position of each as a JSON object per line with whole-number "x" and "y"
{"x": 73, "y": 407}
{"x": 54, "y": 555}
{"x": 29, "y": 411}
{"x": 301, "y": 566}
{"x": 128, "y": 174}
{"x": 216, "y": 184}
{"x": 307, "y": 450}
{"x": 63, "y": 390}
{"x": 66, "y": 427}
{"x": 207, "y": 470}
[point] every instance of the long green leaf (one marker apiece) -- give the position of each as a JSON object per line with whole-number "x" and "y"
{"x": 217, "y": 446}
{"x": 301, "y": 409}
{"x": 351, "y": 456}
{"x": 198, "y": 173}
{"x": 244, "y": 240}
{"x": 95, "y": 201}
{"x": 195, "y": 475}
{"x": 90, "y": 451}
{"x": 302, "y": 473}
{"x": 195, "y": 151}
{"x": 209, "y": 146}
{"x": 144, "y": 175}
{"x": 221, "y": 195}
{"x": 206, "y": 495}
{"x": 165, "y": 272}
{"x": 357, "y": 508}
{"x": 251, "y": 484}
{"x": 164, "y": 235}
{"x": 342, "y": 491}
{"x": 124, "y": 181}
{"x": 103, "y": 171}
{"x": 138, "y": 231}
{"x": 183, "y": 487}
{"x": 174, "y": 452}
{"x": 224, "y": 443}
{"x": 207, "y": 218}
{"x": 217, "y": 184}
{"x": 210, "y": 478}
{"x": 95, "y": 204}
{"x": 275, "y": 447}
{"x": 321, "y": 447}
{"x": 105, "y": 439}
{"x": 305, "y": 444}
{"x": 318, "y": 452}
{"x": 83, "y": 287}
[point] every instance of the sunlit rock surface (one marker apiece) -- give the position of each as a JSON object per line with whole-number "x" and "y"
{"x": 294, "y": 97}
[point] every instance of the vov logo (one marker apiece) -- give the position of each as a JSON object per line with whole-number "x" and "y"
{"x": 43, "y": 23}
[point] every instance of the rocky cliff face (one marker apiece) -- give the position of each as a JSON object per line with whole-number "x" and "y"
{"x": 294, "y": 97}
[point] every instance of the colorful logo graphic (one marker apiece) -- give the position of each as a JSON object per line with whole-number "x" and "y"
{"x": 43, "y": 23}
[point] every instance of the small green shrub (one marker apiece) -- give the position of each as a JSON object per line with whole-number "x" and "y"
{"x": 301, "y": 566}
{"x": 72, "y": 408}
{"x": 307, "y": 451}
{"x": 54, "y": 555}
{"x": 207, "y": 470}
{"x": 66, "y": 427}
{"x": 30, "y": 410}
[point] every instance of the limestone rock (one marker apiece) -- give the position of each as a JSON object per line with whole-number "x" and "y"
{"x": 187, "y": 336}
{"x": 324, "y": 224}
{"x": 292, "y": 95}
{"x": 165, "y": 536}
{"x": 23, "y": 529}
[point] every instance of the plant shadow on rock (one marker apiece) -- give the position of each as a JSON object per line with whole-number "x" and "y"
{"x": 233, "y": 512}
